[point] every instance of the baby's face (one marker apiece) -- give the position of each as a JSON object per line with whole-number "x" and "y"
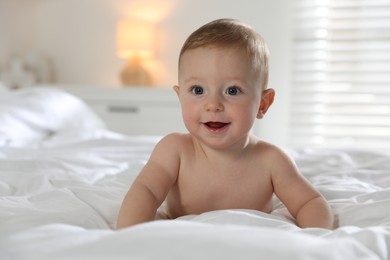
{"x": 220, "y": 95}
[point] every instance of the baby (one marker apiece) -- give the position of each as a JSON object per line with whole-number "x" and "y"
{"x": 219, "y": 164}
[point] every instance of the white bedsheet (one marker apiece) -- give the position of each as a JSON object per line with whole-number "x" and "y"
{"x": 60, "y": 197}
{"x": 60, "y": 201}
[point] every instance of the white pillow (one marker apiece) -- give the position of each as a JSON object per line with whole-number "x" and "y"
{"x": 34, "y": 114}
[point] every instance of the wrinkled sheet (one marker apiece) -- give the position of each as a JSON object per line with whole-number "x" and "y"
{"x": 60, "y": 200}
{"x": 63, "y": 178}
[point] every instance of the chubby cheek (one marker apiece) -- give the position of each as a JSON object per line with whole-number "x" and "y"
{"x": 246, "y": 121}
{"x": 190, "y": 115}
{"x": 246, "y": 110}
{"x": 245, "y": 115}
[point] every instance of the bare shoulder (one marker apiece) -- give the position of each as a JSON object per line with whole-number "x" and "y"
{"x": 165, "y": 158}
{"x": 177, "y": 137}
{"x": 276, "y": 160}
{"x": 170, "y": 145}
{"x": 174, "y": 141}
{"x": 272, "y": 153}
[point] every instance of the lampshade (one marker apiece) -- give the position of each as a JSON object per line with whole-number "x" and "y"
{"x": 135, "y": 38}
{"x": 135, "y": 42}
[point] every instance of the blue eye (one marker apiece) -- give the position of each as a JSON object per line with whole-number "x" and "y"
{"x": 232, "y": 91}
{"x": 197, "y": 90}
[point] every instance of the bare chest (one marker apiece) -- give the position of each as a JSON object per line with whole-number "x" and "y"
{"x": 201, "y": 189}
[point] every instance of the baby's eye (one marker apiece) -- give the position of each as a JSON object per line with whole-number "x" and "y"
{"x": 197, "y": 90}
{"x": 233, "y": 91}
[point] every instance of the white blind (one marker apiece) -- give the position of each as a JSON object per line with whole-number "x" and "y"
{"x": 341, "y": 73}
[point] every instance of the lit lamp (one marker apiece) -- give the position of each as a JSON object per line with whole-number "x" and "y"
{"x": 135, "y": 42}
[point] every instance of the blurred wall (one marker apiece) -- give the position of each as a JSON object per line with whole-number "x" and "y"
{"x": 79, "y": 38}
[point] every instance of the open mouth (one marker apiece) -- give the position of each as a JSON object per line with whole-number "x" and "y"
{"x": 215, "y": 126}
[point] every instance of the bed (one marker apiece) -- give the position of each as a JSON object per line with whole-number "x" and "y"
{"x": 63, "y": 176}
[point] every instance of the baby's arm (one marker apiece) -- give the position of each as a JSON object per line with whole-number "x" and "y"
{"x": 303, "y": 201}
{"x": 152, "y": 184}
{"x": 315, "y": 213}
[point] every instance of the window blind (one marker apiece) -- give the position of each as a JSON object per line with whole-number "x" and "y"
{"x": 341, "y": 74}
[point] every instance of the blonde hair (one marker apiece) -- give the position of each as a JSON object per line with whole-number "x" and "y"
{"x": 232, "y": 33}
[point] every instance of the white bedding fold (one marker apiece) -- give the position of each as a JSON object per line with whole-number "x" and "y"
{"x": 60, "y": 200}
{"x": 180, "y": 239}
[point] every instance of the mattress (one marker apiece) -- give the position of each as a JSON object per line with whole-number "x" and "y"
{"x": 63, "y": 177}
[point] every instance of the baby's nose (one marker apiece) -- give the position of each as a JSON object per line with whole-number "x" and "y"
{"x": 214, "y": 104}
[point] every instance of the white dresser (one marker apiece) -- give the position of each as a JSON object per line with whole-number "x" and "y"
{"x": 134, "y": 110}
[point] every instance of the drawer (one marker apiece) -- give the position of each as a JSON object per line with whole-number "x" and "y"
{"x": 141, "y": 118}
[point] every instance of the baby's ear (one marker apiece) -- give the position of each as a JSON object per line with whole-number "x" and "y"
{"x": 267, "y": 98}
{"x": 176, "y": 89}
